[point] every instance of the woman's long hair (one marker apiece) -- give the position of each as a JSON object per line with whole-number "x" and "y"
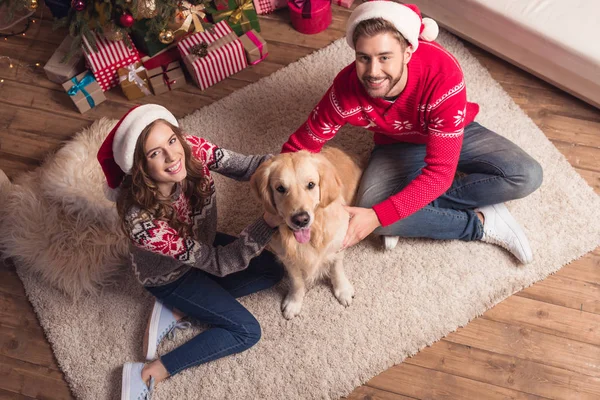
{"x": 139, "y": 189}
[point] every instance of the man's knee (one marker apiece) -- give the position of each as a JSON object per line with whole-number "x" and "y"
{"x": 528, "y": 178}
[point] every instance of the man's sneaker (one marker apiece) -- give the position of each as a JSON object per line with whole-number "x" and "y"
{"x": 162, "y": 323}
{"x": 133, "y": 386}
{"x": 390, "y": 242}
{"x": 500, "y": 228}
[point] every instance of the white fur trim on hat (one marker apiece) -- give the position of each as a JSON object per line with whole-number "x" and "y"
{"x": 131, "y": 128}
{"x": 407, "y": 21}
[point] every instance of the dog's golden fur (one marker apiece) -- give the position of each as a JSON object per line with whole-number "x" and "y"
{"x": 283, "y": 184}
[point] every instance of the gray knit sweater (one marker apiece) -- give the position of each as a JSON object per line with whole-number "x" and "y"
{"x": 159, "y": 255}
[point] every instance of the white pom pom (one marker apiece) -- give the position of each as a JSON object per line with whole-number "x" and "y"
{"x": 111, "y": 194}
{"x": 430, "y": 30}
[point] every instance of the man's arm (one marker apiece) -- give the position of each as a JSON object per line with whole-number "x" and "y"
{"x": 321, "y": 126}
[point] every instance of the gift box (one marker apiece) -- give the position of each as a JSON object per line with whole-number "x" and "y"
{"x": 268, "y": 6}
{"x": 189, "y": 18}
{"x": 85, "y": 91}
{"x": 107, "y": 58}
{"x": 62, "y": 67}
{"x": 241, "y": 16}
{"x": 310, "y": 16}
{"x": 344, "y": 3}
{"x": 213, "y": 55}
{"x": 145, "y": 43}
{"x": 254, "y": 46}
{"x": 134, "y": 81}
{"x": 166, "y": 77}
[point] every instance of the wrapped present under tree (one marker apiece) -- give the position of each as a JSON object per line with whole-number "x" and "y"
{"x": 85, "y": 91}
{"x": 254, "y": 46}
{"x": 310, "y": 16}
{"x": 211, "y": 56}
{"x": 189, "y": 18}
{"x": 166, "y": 77}
{"x": 241, "y": 16}
{"x": 60, "y": 67}
{"x": 268, "y": 6}
{"x": 133, "y": 79}
{"x": 108, "y": 58}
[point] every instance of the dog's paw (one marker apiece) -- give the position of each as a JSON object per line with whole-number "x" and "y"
{"x": 344, "y": 294}
{"x": 291, "y": 307}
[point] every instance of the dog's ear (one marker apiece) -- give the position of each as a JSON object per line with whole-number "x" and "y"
{"x": 259, "y": 182}
{"x": 330, "y": 183}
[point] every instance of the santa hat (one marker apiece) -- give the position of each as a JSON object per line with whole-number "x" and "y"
{"x": 405, "y": 17}
{"x": 117, "y": 151}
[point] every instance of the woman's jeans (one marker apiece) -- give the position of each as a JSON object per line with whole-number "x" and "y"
{"x": 494, "y": 170}
{"x": 212, "y": 300}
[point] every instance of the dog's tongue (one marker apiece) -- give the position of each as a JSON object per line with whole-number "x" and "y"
{"x": 302, "y": 235}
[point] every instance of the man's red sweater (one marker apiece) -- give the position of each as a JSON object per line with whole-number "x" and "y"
{"x": 432, "y": 110}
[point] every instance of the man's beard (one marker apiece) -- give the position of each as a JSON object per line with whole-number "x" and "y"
{"x": 388, "y": 78}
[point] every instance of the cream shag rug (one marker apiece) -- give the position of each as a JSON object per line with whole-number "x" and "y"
{"x": 405, "y": 299}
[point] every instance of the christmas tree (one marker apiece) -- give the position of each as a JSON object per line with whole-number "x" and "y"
{"x": 156, "y": 21}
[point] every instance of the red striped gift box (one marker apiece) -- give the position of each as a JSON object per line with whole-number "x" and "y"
{"x": 109, "y": 57}
{"x": 219, "y": 62}
{"x": 268, "y": 6}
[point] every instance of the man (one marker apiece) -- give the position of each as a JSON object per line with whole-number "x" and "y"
{"x": 410, "y": 92}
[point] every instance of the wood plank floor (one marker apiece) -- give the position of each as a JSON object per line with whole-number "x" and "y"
{"x": 543, "y": 342}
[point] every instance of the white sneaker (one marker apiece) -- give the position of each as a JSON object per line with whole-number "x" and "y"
{"x": 500, "y": 228}
{"x": 390, "y": 242}
{"x": 162, "y": 324}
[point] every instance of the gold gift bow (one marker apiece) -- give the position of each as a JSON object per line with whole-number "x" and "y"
{"x": 237, "y": 15}
{"x": 194, "y": 14}
{"x": 132, "y": 76}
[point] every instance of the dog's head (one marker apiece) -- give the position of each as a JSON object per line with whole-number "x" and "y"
{"x": 294, "y": 185}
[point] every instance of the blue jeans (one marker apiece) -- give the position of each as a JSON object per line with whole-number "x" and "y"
{"x": 212, "y": 300}
{"x": 494, "y": 170}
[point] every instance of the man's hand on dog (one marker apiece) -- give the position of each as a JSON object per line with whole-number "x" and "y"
{"x": 363, "y": 221}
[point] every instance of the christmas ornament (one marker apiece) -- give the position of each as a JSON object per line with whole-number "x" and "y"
{"x": 33, "y": 4}
{"x": 146, "y": 9}
{"x": 166, "y": 36}
{"x": 126, "y": 20}
{"x": 78, "y": 5}
{"x": 113, "y": 32}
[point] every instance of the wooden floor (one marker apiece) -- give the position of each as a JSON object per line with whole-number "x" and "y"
{"x": 543, "y": 342}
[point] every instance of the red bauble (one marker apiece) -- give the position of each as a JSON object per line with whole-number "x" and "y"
{"x": 78, "y": 5}
{"x": 126, "y": 20}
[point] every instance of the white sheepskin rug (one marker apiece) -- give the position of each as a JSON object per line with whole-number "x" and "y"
{"x": 57, "y": 222}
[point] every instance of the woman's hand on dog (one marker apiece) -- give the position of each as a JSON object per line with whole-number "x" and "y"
{"x": 272, "y": 220}
{"x": 363, "y": 221}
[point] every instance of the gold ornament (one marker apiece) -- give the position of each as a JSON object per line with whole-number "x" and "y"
{"x": 113, "y": 32}
{"x": 33, "y": 4}
{"x": 146, "y": 9}
{"x": 166, "y": 36}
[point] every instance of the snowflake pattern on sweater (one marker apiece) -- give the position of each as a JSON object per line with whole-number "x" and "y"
{"x": 431, "y": 110}
{"x": 159, "y": 255}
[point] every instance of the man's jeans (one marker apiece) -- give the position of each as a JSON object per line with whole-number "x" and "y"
{"x": 496, "y": 171}
{"x": 212, "y": 300}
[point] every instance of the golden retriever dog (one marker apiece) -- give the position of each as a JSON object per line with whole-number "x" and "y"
{"x": 309, "y": 192}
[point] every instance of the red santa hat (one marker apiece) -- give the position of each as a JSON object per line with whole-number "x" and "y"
{"x": 405, "y": 17}
{"x": 116, "y": 153}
